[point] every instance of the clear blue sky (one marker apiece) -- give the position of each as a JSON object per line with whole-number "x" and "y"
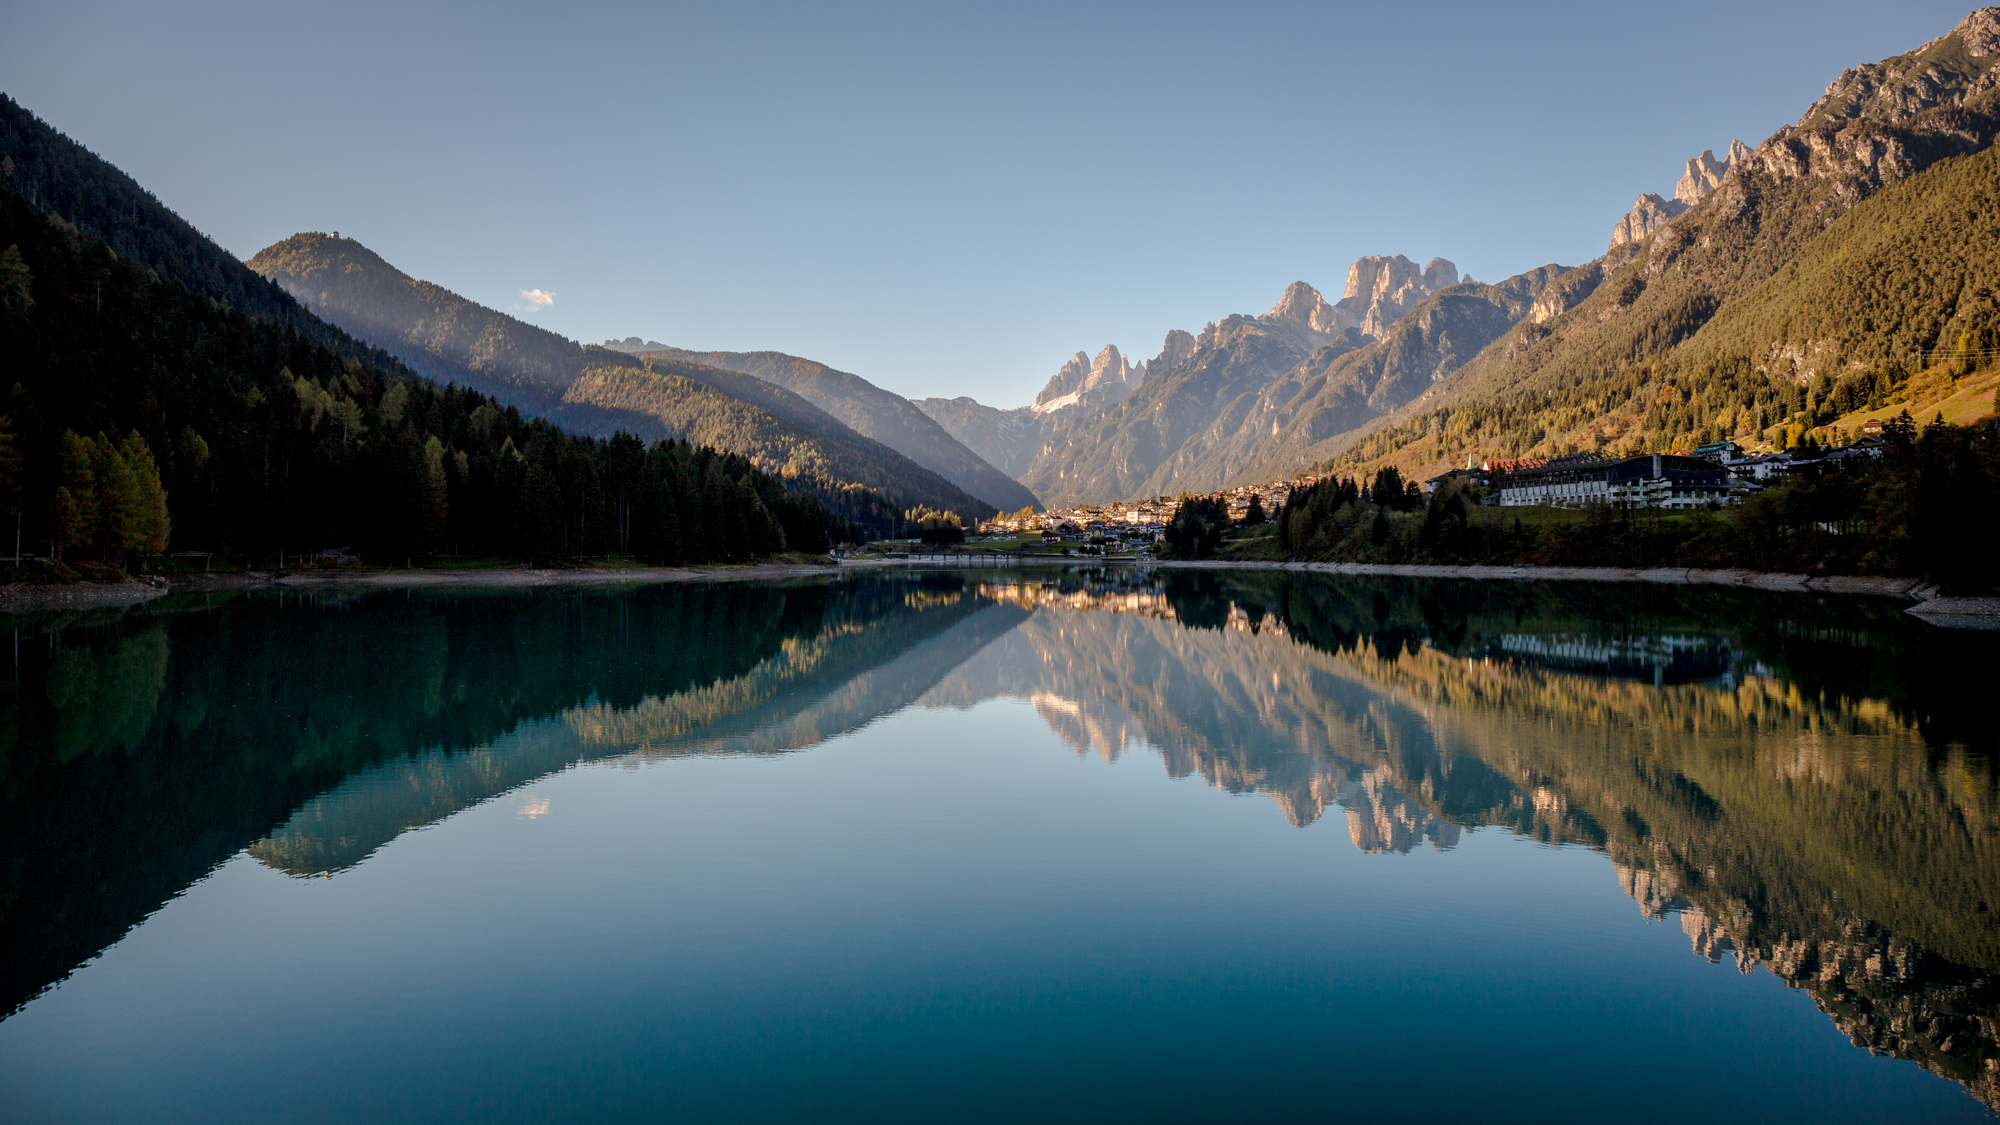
{"x": 945, "y": 199}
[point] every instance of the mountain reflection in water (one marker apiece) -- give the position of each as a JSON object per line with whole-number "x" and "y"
{"x": 1804, "y": 781}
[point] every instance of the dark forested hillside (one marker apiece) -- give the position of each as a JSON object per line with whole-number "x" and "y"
{"x": 597, "y": 390}
{"x": 146, "y": 410}
{"x": 65, "y": 179}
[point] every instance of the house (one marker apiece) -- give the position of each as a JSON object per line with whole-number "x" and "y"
{"x": 1725, "y": 452}
{"x": 1867, "y": 449}
{"x": 1761, "y": 466}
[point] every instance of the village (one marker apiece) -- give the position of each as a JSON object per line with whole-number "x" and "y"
{"x": 1717, "y": 475}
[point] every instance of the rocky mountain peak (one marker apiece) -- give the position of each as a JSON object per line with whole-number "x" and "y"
{"x": 1704, "y": 174}
{"x": 1094, "y": 383}
{"x": 1178, "y": 346}
{"x": 1303, "y": 305}
{"x": 1649, "y": 213}
{"x": 1380, "y": 289}
{"x": 633, "y": 345}
{"x": 1108, "y": 364}
{"x": 1371, "y": 276}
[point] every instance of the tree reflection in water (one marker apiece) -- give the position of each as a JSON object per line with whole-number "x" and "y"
{"x": 1806, "y": 781}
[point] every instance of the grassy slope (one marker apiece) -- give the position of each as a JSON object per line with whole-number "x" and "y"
{"x": 874, "y": 413}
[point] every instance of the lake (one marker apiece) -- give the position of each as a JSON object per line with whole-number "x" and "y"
{"x": 992, "y": 846}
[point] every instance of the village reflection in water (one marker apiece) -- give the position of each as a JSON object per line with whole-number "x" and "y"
{"x": 1804, "y": 781}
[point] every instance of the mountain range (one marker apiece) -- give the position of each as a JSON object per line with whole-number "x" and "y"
{"x": 652, "y": 395}
{"x": 1844, "y": 268}
{"x": 1745, "y": 304}
{"x": 869, "y": 411}
{"x": 1248, "y": 395}
{"x": 1689, "y": 327}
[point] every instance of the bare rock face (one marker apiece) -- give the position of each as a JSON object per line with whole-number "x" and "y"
{"x": 1178, "y": 346}
{"x": 1704, "y": 174}
{"x": 1440, "y": 273}
{"x": 1091, "y": 383}
{"x": 1879, "y": 123}
{"x": 1649, "y": 213}
{"x": 1566, "y": 292}
{"x": 1301, "y": 316}
{"x": 1381, "y": 289}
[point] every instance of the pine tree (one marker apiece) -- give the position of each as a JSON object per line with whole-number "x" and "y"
{"x": 10, "y": 481}
{"x": 76, "y": 469}
{"x": 120, "y": 520}
{"x": 435, "y": 504}
{"x": 148, "y": 525}
{"x": 16, "y": 283}
{"x": 67, "y": 527}
{"x": 539, "y": 518}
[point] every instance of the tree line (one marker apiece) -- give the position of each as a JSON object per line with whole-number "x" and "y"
{"x": 1923, "y": 511}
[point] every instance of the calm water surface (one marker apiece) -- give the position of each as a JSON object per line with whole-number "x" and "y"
{"x": 978, "y": 846}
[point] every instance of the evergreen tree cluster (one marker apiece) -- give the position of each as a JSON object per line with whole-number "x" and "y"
{"x": 1196, "y": 529}
{"x": 110, "y": 497}
{"x": 934, "y": 527}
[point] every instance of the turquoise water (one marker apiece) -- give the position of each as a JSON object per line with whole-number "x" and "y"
{"x": 994, "y": 847}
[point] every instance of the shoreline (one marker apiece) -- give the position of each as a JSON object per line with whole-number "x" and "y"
{"x": 1928, "y": 605}
{"x": 26, "y": 598}
{"x": 1911, "y": 588}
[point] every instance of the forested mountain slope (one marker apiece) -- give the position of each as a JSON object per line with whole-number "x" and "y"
{"x": 873, "y": 413}
{"x": 592, "y": 389}
{"x": 264, "y": 440}
{"x": 1822, "y": 272}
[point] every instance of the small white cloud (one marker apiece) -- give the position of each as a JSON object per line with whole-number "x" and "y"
{"x": 538, "y": 299}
